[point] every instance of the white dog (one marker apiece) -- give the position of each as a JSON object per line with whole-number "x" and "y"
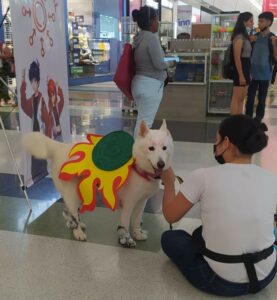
{"x": 152, "y": 152}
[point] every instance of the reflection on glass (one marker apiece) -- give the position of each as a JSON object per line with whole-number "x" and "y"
{"x": 93, "y": 33}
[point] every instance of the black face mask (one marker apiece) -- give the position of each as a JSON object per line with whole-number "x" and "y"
{"x": 219, "y": 158}
{"x": 264, "y": 29}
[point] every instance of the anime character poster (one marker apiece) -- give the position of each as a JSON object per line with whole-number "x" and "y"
{"x": 41, "y": 74}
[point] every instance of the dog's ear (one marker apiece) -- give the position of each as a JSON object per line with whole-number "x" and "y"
{"x": 164, "y": 126}
{"x": 143, "y": 130}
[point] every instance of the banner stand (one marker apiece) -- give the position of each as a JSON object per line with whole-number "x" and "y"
{"x": 15, "y": 165}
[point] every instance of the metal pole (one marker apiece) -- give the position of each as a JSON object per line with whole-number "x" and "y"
{"x": 16, "y": 167}
{"x": 7, "y": 86}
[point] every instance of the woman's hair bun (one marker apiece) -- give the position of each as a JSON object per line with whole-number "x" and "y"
{"x": 256, "y": 141}
{"x": 136, "y": 14}
{"x": 263, "y": 127}
{"x": 246, "y": 133}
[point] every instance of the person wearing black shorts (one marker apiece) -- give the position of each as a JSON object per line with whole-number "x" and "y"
{"x": 241, "y": 57}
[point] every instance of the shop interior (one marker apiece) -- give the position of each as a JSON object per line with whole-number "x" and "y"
{"x": 194, "y": 38}
{"x": 93, "y": 35}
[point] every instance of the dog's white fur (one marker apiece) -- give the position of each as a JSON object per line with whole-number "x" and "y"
{"x": 133, "y": 195}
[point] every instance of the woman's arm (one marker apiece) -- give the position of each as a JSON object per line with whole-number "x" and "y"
{"x": 156, "y": 53}
{"x": 237, "y": 48}
{"x": 174, "y": 206}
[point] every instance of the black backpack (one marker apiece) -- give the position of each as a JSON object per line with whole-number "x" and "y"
{"x": 228, "y": 63}
{"x": 271, "y": 50}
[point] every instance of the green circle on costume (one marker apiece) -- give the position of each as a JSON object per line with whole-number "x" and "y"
{"x": 113, "y": 151}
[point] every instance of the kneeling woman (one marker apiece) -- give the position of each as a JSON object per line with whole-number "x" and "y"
{"x": 232, "y": 253}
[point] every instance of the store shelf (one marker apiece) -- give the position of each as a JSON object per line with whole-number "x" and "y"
{"x": 191, "y": 68}
{"x": 195, "y": 62}
{"x": 190, "y": 54}
{"x": 219, "y": 49}
{"x": 224, "y": 111}
{"x": 186, "y": 83}
{"x": 220, "y": 90}
{"x": 221, "y": 81}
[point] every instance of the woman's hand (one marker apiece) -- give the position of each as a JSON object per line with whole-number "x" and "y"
{"x": 168, "y": 176}
{"x": 252, "y": 38}
{"x": 242, "y": 80}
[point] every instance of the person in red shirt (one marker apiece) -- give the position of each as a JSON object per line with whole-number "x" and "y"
{"x": 55, "y": 110}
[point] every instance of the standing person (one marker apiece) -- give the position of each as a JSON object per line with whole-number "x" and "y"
{"x": 241, "y": 57}
{"x": 7, "y": 60}
{"x": 234, "y": 254}
{"x": 148, "y": 83}
{"x": 263, "y": 56}
{"x": 55, "y": 110}
{"x": 35, "y": 108}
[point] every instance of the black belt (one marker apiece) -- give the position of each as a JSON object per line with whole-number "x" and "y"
{"x": 248, "y": 259}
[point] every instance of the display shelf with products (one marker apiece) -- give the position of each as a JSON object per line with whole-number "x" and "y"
{"x": 130, "y": 29}
{"x": 189, "y": 68}
{"x": 220, "y": 89}
{"x": 166, "y": 33}
{"x": 100, "y": 49}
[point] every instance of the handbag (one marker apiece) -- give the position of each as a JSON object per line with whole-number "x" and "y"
{"x": 126, "y": 71}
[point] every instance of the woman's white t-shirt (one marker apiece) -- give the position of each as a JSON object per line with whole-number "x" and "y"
{"x": 238, "y": 202}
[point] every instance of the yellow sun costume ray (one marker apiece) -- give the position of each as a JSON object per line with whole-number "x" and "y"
{"x": 82, "y": 165}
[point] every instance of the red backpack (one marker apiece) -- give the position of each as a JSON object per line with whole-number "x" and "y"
{"x": 126, "y": 71}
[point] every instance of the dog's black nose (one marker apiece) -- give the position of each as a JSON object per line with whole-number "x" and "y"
{"x": 160, "y": 164}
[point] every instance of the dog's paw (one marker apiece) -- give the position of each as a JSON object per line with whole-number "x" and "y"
{"x": 140, "y": 235}
{"x": 79, "y": 234}
{"x": 124, "y": 238}
{"x": 83, "y": 225}
{"x": 70, "y": 224}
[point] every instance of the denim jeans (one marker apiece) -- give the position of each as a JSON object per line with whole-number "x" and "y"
{"x": 177, "y": 245}
{"x": 262, "y": 87}
{"x": 147, "y": 93}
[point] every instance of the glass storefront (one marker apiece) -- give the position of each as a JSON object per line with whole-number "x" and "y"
{"x": 94, "y": 35}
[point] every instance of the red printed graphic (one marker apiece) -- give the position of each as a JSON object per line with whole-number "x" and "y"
{"x": 41, "y": 17}
{"x": 270, "y": 5}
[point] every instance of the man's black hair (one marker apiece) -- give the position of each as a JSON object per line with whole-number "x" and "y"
{"x": 34, "y": 71}
{"x": 267, "y": 15}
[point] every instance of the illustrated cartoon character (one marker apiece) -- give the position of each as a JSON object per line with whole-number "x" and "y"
{"x": 55, "y": 110}
{"x": 35, "y": 108}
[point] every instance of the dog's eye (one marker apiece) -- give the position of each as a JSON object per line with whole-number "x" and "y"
{"x": 164, "y": 148}
{"x": 151, "y": 148}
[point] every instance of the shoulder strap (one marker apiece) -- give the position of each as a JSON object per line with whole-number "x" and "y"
{"x": 270, "y": 47}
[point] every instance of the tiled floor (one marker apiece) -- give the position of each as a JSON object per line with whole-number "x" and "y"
{"x": 40, "y": 259}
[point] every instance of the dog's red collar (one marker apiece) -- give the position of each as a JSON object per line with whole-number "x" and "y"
{"x": 146, "y": 175}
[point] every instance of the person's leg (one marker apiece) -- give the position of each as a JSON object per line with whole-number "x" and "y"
{"x": 178, "y": 246}
{"x": 263, "y": 89}
{"x": 239, "y": 94}
{"x": 252, "y": 89}
{"x": 148, "y": 94}
{"x": 241, "y": 102}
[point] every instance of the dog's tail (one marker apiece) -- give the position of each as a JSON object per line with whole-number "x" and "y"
{"x": 39, "y": 145}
